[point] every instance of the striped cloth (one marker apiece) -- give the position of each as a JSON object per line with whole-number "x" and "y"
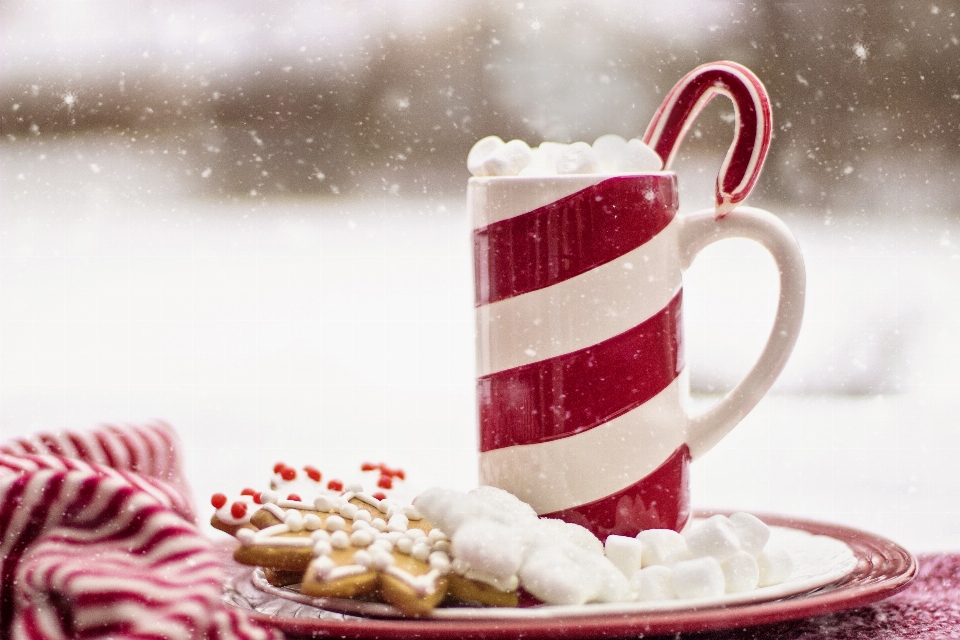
{"x": 99, "y": 541}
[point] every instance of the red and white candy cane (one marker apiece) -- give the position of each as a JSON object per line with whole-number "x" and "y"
{"x": 753, "y": 123}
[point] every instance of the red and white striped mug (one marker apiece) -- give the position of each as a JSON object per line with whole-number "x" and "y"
{"x": 582, "y": 386}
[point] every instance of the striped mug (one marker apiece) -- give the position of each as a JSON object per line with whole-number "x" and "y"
{"x": 582, "y": 387}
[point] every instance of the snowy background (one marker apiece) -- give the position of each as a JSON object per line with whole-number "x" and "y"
{"x": 253, "y": 226}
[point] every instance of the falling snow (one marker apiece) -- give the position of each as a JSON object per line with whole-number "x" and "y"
{"x": 861, "y": 51}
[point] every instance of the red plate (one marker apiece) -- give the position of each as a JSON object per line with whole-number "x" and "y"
{"x": 883, "y": 569}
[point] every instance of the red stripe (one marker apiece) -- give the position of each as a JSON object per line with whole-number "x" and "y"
{"x": 105, "y": 441}
{"x": 126, "y": 439}
{"x": 661, "y": 500}
{"x": 11, "y": 497}
{"x": 53, "y": 445}
{"x": 83, "y": 453}
{"x": 26, "y": 445}
{"x": 577, "y": 391}
{"x": 572, "y": 235}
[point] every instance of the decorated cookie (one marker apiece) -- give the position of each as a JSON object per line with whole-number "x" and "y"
{"x": 346, "y": 543}
{"x": 232, "y": 515}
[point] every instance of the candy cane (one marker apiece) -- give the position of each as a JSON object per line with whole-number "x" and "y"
{"x": 753, "y": 124}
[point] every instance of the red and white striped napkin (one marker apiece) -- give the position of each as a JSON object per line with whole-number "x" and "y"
{"x": 99, "y": 540}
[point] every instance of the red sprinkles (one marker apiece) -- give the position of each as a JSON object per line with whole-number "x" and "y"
{"x": 238, "y": 509}
{"x": 218, "y": 500}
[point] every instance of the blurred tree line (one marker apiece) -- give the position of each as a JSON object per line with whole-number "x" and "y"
{"x": 865, "y": 95}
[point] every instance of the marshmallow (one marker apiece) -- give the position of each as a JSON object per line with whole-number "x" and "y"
{"x": 653, "y": 583}
{"x": 540, "y": 164}
{"x": 550, "y": 151}
{"x": 624, "y": 553}
{"x": 698, "y": 578}
{"x": 611, "y": 150}
{"x": 659, "y": 544}
{"x": 547, "y": 530}
{"x": 507, "y": 160}
{"x": 504, "y": 505}
{"x": 751, "y": 531}
{"x": 578, "y": 158}
{"x": 639, "y": 158}
{"x": 609, "y": 153}
{"x": 480, "y": 151}
{"x": 775, "y": 566}
{"x": 741, "y": 572}
{"x": 490, "y": 547}
{"x": 680, "y": 555}
{"x": 449, "y": 509}
{"x": 567, "y": 574}
{"x": 714, "y": 537}
{"x": 546, "y": 574}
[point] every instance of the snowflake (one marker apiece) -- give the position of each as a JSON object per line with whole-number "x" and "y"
{"x": 861, "y": 51}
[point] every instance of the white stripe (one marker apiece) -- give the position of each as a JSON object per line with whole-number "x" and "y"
{"x": 113, "y": 443}
{"x": 94, "y": 453}
{"x": 136, "y": 441}
{"x": 594, "y": 464}
{"x": 47, "y": 619}
{"x": 582, "y": 311}
{"x": 143, "y": 619}
{"x": 22, "y": 516}
{"x": 496, "y": 199}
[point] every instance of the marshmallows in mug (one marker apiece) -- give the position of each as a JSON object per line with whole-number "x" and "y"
{"x": 609, "y": 153}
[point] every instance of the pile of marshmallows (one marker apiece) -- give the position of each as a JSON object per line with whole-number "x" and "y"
{"x": 609, "y": 153}
{"x": 717, "y": 556}
{"x": 498, "y": 539}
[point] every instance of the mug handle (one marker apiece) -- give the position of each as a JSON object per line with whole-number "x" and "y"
{"x": 702, "y": 228}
